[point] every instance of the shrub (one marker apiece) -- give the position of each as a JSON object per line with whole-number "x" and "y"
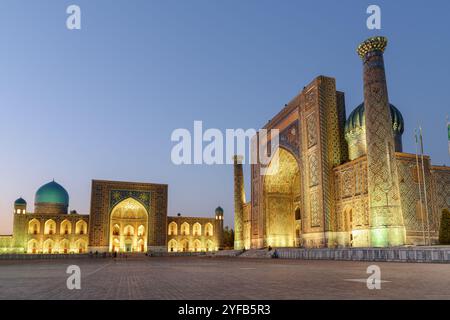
{"x": 444, "y": 231}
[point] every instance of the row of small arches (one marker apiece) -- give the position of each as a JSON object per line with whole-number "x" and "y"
{"x": 52, "y": 246}
{"x": 34, "y": 227}
{"x": 128, "y": 231}
{"x": 186, "y": 246}
{"x": 185, "y": 229}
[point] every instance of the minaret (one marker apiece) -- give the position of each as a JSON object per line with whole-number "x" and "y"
{"x": 386, "y": 219}
{"x": 239, "y": 201}
{"x": 219, "y": 227}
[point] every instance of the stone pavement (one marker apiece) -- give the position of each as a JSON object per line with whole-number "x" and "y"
{"x": 220, "y": 278}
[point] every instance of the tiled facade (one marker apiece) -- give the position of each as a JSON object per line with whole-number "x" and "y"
{"x": 125, "y": 217}
{"x": 329, "y": 191}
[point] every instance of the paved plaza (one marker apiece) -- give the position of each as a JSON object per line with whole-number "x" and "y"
{"x": 220, "y": 278}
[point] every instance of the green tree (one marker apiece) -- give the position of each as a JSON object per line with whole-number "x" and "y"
{"x": 228, "y": 238}
{"x": 444, "y": 231}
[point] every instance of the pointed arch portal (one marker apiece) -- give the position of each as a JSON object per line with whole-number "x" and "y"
{"x": 128, "y": 227}
{"x": 282, "y": 194}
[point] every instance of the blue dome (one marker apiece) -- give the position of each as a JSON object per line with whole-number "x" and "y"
{"x": 20, "y": 201}
{"x": 52, "y": 192}
{"x": 358, "y": 119}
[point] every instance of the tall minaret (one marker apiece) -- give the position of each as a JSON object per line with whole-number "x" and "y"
{"x": 386, "y": 219}
{"x": 239, "y": 201}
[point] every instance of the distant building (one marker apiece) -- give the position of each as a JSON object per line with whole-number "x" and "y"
{"x": 125, "y": 217}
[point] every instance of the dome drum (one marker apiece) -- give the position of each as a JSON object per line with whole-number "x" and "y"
{"x": 50, "y": 208}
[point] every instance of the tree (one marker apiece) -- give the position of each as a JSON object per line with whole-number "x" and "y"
{"x": 228, "y": 238}
{"x": 444, "y": 231}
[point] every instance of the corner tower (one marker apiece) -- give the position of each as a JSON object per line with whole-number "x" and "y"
{"x": 20, "y": 206}
{"x": 219, "y": 226}
{"x": 386, "y": 219}
{"x": 20, "y": 225}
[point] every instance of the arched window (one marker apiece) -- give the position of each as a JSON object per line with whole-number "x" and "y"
{"x": 209, "y": 229}
{"x": 185, "y": 245}
{"x": 66, "y": 227}
{"x": 81, "y": 227}
{"x": 141, "y": 231}
{"x": 173, "y": 229}
{"x": 297, "y": 214}
{"x": 172, "y": 246}
{"x": 116, "y": 230}
{"x": 141, "y": 245}
{"x": 197, "y": 245}
{"x": 185, "y": 229}
{"x": 128, "y": 231}
{"x": 64, "y": 246}
{"x": 32, "y": 246}
{"x": 197, "y": 229}
{"x": 50, "y": 227}
{"x": 209, "y": 245}
{"x": 81, "y": 246}
{"x": 34, "y": 227}
{"x": 49, "y": 246}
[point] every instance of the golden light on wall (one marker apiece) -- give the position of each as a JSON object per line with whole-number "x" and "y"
{"x": 128, "y": 232}
{"x": 281, "y": 188}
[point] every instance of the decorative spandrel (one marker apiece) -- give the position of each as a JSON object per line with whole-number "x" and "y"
{"x": 289, "y": 138}
{"x": 143, "y": 197}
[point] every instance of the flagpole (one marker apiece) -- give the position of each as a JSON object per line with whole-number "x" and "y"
{"x": 420, "y": 191}
{"x": 424, "y": 187}
{"x": 448, "y": 135}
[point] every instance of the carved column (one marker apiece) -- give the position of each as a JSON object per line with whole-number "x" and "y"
{"x": 386, "y": 220}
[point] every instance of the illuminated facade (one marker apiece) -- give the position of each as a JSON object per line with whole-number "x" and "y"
{"x": 125, "y": 217}
{"x": 50, "y": 228}
{"x": 340, "y": 181}
{"x": 187, "y": 234}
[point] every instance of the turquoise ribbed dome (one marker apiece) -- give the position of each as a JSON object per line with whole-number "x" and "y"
{"x": 52, "y": 192}
{"x": 20, "y": 201}
{"x": 357, "y": 119}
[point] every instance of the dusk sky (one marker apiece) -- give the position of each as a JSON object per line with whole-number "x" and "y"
{"x": 102, "y": 102}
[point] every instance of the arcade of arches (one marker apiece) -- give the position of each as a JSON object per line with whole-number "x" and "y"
{"x": 126, "y": 217}
{"x": 193, "y": 235}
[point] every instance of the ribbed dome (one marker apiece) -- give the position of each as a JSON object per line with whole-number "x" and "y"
{"x": 20, "y": 201}
{"x": 219, "y": 209}
{"x": 52, "y": 193}
{"x": 357, "y": 119}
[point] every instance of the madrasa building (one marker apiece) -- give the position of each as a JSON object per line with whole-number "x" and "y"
{"x": 341, "y": 181}
{"x": 124, "y": 217}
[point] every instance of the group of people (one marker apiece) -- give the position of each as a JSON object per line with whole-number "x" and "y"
{"x": 114, "y": 255}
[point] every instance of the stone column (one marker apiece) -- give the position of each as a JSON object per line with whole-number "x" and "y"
{"x": 239, "y": 201}
{"x": 386, "y": 219}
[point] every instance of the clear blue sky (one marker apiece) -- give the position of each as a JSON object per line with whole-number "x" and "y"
{"x": 102, "y": 102}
